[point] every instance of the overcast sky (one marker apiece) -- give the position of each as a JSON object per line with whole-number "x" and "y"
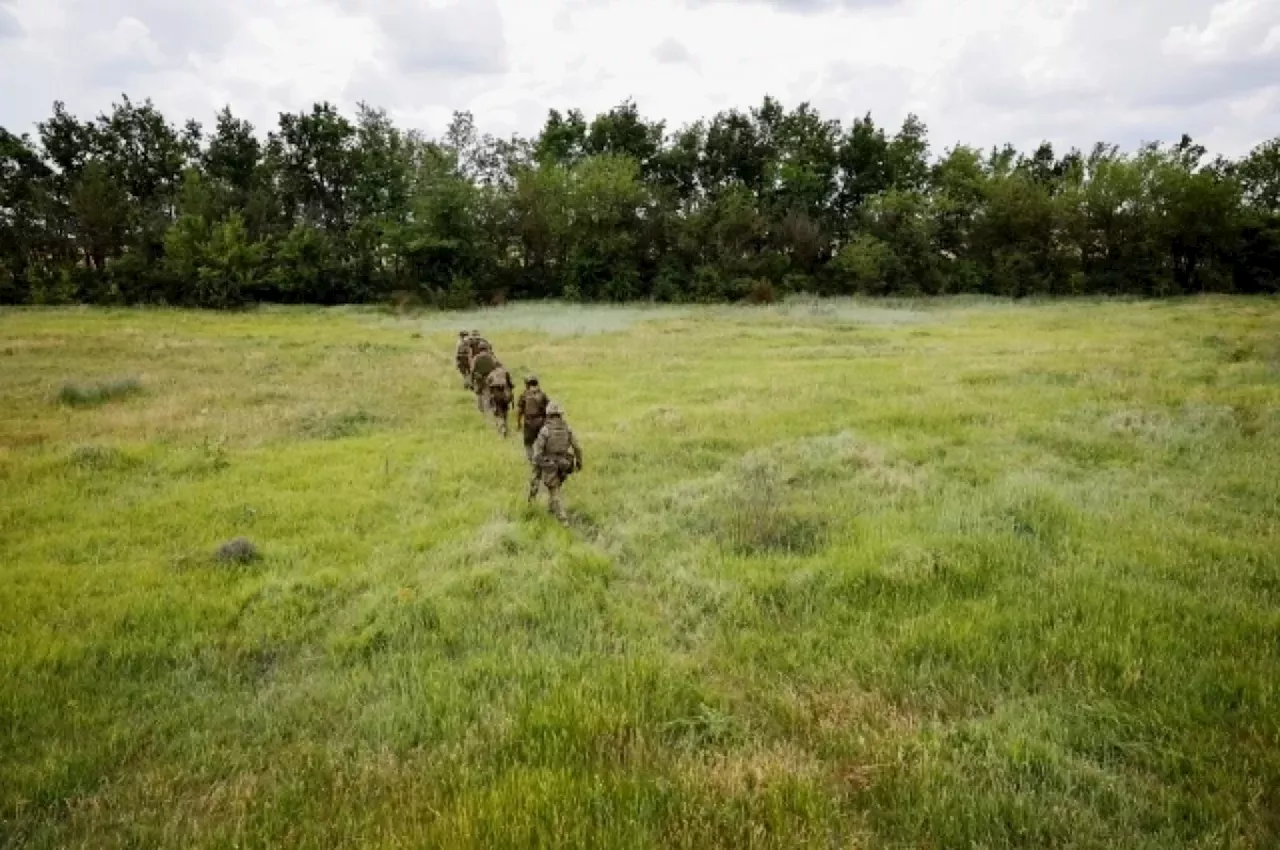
{"x": 978, "y": 71}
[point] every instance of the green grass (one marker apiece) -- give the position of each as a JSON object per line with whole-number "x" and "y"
{"x": 92, "y": 395}
{"x": 838, "y": 574}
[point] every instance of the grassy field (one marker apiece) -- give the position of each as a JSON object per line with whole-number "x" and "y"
{"x": 838, "y": 574}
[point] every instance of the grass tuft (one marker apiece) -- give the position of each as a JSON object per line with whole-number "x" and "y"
{"x": 93, "y": 458}
{"x": 756, "y": 520}
{"x": 93, "y": 395}
{"x": 337, "y": 426}
{"x": 238, "y": 551}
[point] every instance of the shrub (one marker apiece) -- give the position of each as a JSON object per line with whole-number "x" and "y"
{"x": 762, "y": 292}
{"x": 337, "y": 426}
{"x": 91, "y": 395}
{"x": 98, "y": 458}
{"x": 757, "y": 520}
{"x": 239, "y": 551}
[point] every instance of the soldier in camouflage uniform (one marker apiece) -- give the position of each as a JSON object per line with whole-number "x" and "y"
{"x": 462, "y": 358}
{"x": 500, "y": 388}
{"x": 484, "y": 362}
{"x": 556, "y": 456}
{"x": 531, "y": 413}
{"x": 475, "y": 344}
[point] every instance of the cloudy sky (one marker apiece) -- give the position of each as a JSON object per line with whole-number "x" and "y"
{"x": 978, "y": 71}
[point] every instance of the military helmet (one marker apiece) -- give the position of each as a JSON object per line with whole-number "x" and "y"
{"x": 475, "y": 333}
{"x": 554, "y": 409}
{"x": 464, "y": 334}
{"x": 531, "y": 380}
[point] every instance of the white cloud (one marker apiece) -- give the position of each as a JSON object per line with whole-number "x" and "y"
{"x": 1236, "y": 28}
{"x": 9, "y": 26}
{"x": 982, "y": 72}
{"x": 671, "y": 51}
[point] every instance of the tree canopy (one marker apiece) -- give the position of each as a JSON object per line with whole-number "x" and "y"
{"x": 327, "y": 208}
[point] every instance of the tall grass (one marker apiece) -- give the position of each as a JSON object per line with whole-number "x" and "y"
{"x": 838, "y": 574}
{"x": 91, "y": 395}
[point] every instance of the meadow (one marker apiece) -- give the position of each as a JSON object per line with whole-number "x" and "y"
{"x": 839, "y": 574}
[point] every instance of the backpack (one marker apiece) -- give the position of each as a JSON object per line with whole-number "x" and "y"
{"x": 484, "y": 363}
{"x": 535, "y": 406}
{"x": 557, "y": 444}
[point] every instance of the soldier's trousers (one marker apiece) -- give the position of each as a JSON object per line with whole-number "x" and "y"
{"x": 500, "y": 407}
{"x": 530, "y": 437}
{"x": 550, "y": 475}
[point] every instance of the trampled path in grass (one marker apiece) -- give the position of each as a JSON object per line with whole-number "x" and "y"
{"x": 839, "y": 574}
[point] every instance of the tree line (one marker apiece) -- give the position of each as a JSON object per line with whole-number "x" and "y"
{"x": 327, "y": 208}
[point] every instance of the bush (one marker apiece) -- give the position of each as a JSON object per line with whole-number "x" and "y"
{"x": 239, "y": 551}
{"x": 794, "y": 282}
{"x": 91, "y": 395}
{"x": 52, "y": 287}
{"x": 708, "y": 284}
{"x": 762, "y": 292}
{"x": 669, "y": 284}
{"x": 405, "y": 301}
{"x": 757, "y": 521}
{"x": 461, "y": 294}
{"x": 99, "y": 458}
{"x": 860, "y": 265}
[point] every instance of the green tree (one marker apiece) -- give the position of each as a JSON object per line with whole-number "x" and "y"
{"x": 101, "y": 209}
{"x": 563, "y": 140}
{"x": 24, "y": 235}
{"x": 605, "y": 198}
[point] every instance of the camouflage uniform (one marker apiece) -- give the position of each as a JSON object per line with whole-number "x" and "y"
{"x": 475, "y": 345}
{"x": 482, "y": 364}
{"x": 462, "y": 358}
{"x": 556, "y": 456}
{"x": 531, "y": 414}
{"x": 499, "y": 387}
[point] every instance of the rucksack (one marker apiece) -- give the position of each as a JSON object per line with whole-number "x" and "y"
{"x": 557, "y": 444}
{"x": 484, "y": 363}
{"x": 535, "y": 406}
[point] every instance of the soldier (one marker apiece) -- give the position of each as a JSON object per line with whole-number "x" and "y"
{"x": 484, "y": 362}
{"x": 500, "y": 389}
{"x": 475, "y": 344}
{"x": 462, "y": 359}
{"x": 556, "y": 456}
{"x": 477, "y": 341}
{"x": 531, "y": 413}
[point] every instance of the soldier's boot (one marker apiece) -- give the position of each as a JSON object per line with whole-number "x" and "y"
{"x": 557, "y": 507}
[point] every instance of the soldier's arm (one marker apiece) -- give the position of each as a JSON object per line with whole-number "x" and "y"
{"x": 539, "y": 445}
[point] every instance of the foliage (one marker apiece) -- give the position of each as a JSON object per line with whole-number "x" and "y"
{"x": 92, "y": 395}
{"x": 241, "y": 550}
{"x": 332, "y": 209}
